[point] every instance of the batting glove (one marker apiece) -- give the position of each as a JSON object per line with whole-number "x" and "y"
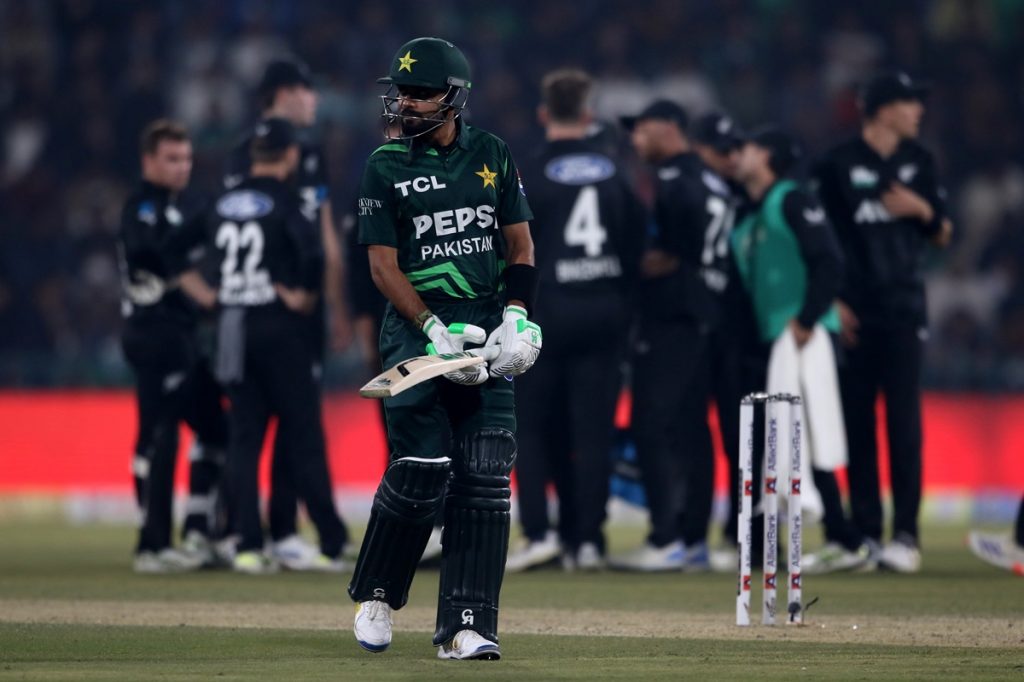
{"x": 452, "y": 339}
{"x": 520, "y": 342}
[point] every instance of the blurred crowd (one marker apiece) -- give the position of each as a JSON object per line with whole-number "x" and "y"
{"x": 80, "y": 78}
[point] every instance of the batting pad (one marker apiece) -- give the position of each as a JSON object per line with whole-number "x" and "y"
{"x": 475, "y": 540}
{"x": 401, "y": 519}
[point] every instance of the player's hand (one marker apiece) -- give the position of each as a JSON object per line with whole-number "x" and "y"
{"x": 801, "y": 334}
{"x": 297, "y": 300}
{"x": 452, "y": 339}
{"x": 848, "y": 324}
{"x": 944, "y": 236}
{"x": 902, "y": 202}
{"x": 520, "y": 341}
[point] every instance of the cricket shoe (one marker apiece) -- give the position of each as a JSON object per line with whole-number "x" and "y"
{"x": 167, "y": 560}
{"x": 724, "y": 558}
{"x": 649, "y": 558}
{"x": 534, "y": 553}
{"x": 999, "y": 550}
{"x": 199, "y": 547}
{"x": 901, "y": 555}
{"x": 468, "y": 645}
{"x": 372, "y": 625}
{"x": 254, "y": 563}
{"x": 295, "y": 553}
{"x": 696, "y": 558}
{"x": 589, "y": 558}
{"x": 835, "y": 557}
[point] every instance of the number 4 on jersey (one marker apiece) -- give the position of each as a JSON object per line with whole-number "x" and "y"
{"x": 584, "y": 225}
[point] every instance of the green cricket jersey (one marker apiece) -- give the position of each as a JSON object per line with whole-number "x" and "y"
{"x": 443, "y": 211}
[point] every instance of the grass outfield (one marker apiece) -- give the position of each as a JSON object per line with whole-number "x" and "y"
{"x": 70, "y": 608}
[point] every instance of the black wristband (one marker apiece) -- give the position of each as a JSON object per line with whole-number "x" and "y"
{"x": 521, "y": 283}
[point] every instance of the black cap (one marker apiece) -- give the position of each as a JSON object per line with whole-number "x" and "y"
{"x": 663, "y": 110}
{"x": 719, "y": 131}
{"x": 273, "y": 135}
{"x": 890, "y": 87}
{"x": 283, "y": 74}
{"x": 785, "y": 152}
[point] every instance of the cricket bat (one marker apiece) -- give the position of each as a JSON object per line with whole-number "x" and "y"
{"x": 414, "y": 371}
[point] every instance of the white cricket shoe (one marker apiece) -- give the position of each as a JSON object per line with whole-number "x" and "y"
{"x": 900, "y": 555}
{"x": 999, "y": 550}
{"x": 469, "y": 645}
{"x": 199, "y": 547}
{"x": 724, "y": 558}
{"x": 534, "y": 553}
{"x": 589, "y": 558}
{"x": 167, "y": 560}
{"x": 834, "y": 557}
{"x": 650, "y": 558}
{"x": 296, "y": 553}
{"x": 254, "y": 563}
{"x": 372, "y": 625}
{"x": 433, "y": 549}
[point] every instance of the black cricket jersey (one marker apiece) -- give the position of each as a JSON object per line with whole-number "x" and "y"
{"x": 151, "y": 252}
{"x": 693, "y": 216}
{"x": 261, "y": 235}
{"x": 884, "y": 282}
{"x": 588, "y": 226}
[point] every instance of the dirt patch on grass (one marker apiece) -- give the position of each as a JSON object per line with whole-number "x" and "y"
{"x": 873, "y": 629}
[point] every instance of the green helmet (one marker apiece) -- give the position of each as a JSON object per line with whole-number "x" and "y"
{"x": 429, "y": 63}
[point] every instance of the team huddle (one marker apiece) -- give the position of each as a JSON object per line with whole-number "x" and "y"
{"x": 733, "y": 276}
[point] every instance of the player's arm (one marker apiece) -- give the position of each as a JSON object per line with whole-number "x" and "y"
{"x": 678, "y": 229}
{"x": 308, "y": 242}
{"x": 393, "y": 283}
{"x": 334, "y": 280}
{"x": 519, "y": 245}
{"x": 821, "y": 256}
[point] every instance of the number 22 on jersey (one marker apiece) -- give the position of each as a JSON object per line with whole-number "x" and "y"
{"x": 250, "y": 285}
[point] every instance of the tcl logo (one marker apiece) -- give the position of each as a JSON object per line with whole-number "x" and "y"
{"x": 419, "y": 185}
{"x": 871, "y": 212}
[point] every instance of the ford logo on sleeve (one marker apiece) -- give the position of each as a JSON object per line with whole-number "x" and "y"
{"x": 579, "y": 169}
{"x": 244, "y": 205}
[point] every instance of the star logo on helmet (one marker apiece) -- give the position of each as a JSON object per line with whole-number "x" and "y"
{"x": 488, "y": 175}
{"x": 405, "y": 63}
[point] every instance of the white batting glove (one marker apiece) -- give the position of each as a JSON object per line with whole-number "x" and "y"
{"x": 452, "y": 339}
{"x": 520, "y": 341}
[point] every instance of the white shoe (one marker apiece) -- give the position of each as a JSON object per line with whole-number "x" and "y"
{"x": 651, "y": 558}
{"x": 165, "y": 561}
{"x": 433, "y": 549}
{"x": 467, "y": 645}
{"x": 696, "y": 558}
{"x": 372, "y": 625}
{"x": 254, "y": 563}
{"x": 999, "y": 550}
{"x": 834, "y": 557}
{"x": 226, "y": 549}
{"x": 199, "y": 547}
{"x": 724, "y": 558}
{"x": 588, "y": 557}
{"x": 295, "y": 553}
{"x": 536, "y": 553}
{"x": 900, "y": 555}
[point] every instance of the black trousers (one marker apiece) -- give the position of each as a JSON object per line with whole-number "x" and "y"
{"x": 565, "y": 409}
{"x": 278, "y": 380}
{"x": 729, "y": 383}
{"x": 885, "y": 361}
{"x": 171, "y": 386}
{"x": 671, "y": 375}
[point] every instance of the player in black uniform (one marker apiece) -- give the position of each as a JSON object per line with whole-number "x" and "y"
{"x": 286, "y": 91}
{"x": 588, "y": 229}
{"x": 683, "y": 277}
{"x": 271, "y": 269}
{"x": 159, "y": 343}
{"x": 719, "y": 142}
{"x": 881, "y": 192}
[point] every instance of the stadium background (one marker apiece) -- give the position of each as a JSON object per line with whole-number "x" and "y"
{"x": 79, "y": 79}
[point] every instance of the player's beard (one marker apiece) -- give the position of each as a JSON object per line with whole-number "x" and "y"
{"x": 414, "y": 124}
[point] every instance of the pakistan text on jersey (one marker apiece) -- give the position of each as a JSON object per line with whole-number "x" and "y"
{"x": 460, "y": 247}
{"x": 572, "y": 270}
